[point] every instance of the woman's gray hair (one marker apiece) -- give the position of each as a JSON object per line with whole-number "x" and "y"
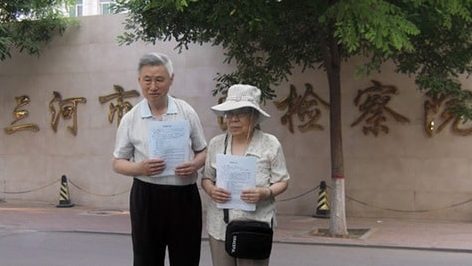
{"x": 255, "y": 115}
{"x": 156, "y": 59}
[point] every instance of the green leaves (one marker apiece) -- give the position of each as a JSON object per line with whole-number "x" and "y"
{"x": 262, "y": 38}
{"x": 266, "y": 39}
{"x": 28, "y": 25}
{"x": 366, "y": 25}
{"x": 443, "y": 49}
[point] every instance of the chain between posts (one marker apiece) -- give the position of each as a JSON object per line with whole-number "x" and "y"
{"x": 281, "y": 200}
{"x": 59, "y": 180}
{"x": 97, "y": 194}
{"x": 382, "y": 208}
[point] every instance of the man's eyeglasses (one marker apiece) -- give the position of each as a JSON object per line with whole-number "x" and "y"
{"x": 241, "y": 112}
{"x": 150, "y": 80}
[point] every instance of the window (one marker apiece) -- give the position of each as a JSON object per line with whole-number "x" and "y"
{"x": 105, "y": 7}
{"x": 77, "y": 10}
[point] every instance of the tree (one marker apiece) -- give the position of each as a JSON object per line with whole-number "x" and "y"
{"x": 26, "y": 25}
{"x": 430, "y": 39}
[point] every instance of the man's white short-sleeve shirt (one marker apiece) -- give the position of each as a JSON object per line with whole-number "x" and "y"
{"x": 132, "y": 136}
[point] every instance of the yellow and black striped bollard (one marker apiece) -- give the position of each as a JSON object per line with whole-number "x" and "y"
{"x": 64, "y": 197}
{"x": 322, "y": 208}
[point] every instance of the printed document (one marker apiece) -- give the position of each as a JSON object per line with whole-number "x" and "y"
{"x": 235, "y": 174}
{"x": 169, "y": 140}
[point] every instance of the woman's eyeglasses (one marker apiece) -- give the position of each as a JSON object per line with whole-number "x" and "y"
{"x": 241, "y": 112}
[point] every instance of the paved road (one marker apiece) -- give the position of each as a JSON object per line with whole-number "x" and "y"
{"x": 28, "y": 248}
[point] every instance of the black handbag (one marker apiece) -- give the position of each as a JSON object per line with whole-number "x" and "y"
{"x": 248, "y": 239}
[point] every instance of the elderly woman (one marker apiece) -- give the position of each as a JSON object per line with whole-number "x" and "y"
{"x": 242, "y": 115}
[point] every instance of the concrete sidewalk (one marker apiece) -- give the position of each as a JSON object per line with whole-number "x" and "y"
{"x": 414, "y": 234}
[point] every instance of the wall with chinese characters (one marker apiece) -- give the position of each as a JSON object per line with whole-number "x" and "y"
{"x": 405, "y": 156}
{"x": 60, "y": 111}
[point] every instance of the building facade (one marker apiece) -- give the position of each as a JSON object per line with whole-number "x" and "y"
{"x": 392, "y": 168}
{"x": 90, "y": 8}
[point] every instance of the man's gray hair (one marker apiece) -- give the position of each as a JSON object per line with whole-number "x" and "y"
{"x": 156, "y": 59}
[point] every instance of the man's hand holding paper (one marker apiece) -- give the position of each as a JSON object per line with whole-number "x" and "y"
{"x": 152, "y": 167}
{"x": 186, "y": 169}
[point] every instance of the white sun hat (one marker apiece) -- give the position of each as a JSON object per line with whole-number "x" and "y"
{"x": 240, "y": 96}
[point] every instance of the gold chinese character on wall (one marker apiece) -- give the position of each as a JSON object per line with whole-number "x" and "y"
{"x": 67, "y": 108}
{"x": 20, "y": 114}
{"x": 437, "y": 116}
{"x": 122, "y": 106}
{"x": 305, "y": 107}
{"x": 372, "y": 103}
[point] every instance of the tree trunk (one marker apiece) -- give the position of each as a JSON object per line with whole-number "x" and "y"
{"x": 332, "y": 60}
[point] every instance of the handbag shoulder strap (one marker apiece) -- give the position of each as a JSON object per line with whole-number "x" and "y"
{"x": 225, "y": 211}
{"x": 226, "y": 215}
{"x": 226, "y": 143}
